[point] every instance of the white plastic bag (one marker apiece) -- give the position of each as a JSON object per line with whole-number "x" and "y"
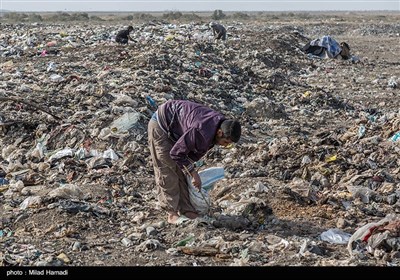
{"x": 201, "y": 200}
{"x": 335, "y": 236}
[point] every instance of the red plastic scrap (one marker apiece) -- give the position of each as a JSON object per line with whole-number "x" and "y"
{"x": 377, "y": 179}
{"x": 368, "y": 235}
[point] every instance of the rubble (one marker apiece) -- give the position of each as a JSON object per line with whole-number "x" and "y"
{"x": 319, "y": 152}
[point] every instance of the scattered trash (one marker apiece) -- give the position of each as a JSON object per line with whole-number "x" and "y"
{"x": 320, "y": 143}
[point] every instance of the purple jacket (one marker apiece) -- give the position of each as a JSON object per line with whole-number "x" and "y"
{"x": 191, "y": 126}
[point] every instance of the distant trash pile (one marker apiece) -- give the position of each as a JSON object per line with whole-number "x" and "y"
{"x": 327, "y": 47}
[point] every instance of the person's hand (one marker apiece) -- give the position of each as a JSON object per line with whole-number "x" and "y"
{"x": 196, "y": 181}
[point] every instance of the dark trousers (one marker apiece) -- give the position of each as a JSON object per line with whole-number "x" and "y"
{"x": 121, "y": 40}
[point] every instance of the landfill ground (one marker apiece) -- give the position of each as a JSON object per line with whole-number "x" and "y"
{"x": 317, "y": 161}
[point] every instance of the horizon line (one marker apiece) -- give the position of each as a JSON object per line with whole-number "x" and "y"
{"x": 199, "y": 11}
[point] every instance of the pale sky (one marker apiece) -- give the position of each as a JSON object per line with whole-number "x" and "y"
{"x": 193, "y": 5}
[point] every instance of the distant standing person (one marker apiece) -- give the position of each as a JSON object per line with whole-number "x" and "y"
{"x": 123, "y": 35}
{"x": 219, "y": 31}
